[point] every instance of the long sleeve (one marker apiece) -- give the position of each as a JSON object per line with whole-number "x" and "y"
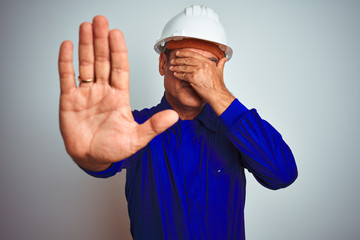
{"x": 263, "y": 151}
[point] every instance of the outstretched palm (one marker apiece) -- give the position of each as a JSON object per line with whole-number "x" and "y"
{"x": 95, "y": 118}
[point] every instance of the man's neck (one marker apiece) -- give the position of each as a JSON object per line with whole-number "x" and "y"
{"x": 185, "y": 112}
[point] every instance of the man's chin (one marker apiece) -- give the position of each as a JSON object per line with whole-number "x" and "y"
{"x": 192, "y": 99}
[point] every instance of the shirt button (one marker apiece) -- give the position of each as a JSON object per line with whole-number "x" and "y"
{"x": 219, "y": 170}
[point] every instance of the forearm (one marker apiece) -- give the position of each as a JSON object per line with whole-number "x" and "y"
{"x": 264, "y": 152}
{"x": 220, "y": 101}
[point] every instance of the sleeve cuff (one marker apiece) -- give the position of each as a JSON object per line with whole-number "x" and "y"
{"x": 109, "y": 172}
{"x": 233, "y": 113}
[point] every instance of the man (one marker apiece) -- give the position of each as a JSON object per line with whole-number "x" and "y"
{"x": 185, "y": 157}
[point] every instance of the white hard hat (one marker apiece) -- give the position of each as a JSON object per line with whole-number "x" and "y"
{"x": 197, "y": 22}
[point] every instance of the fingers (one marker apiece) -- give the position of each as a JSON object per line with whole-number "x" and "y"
{"x": 185, "y": 76}
{"x": 185, "y": 61}
{"x": 101, "y": 49}
{"x": 66, "y": 69}
{"x": 96, "y": 46}
{"x": 183, "y": 68}
{"x": 119, "y": 61}
{"x": 95, "y": 43}
{"x": 189, "y": 61}
{"x": 156, "y": 125}
{"x": 189, "y": 65}
{"x": 86, "y": 51}
{"x": 190, "y": 54}
{"x": 191, "y": 58}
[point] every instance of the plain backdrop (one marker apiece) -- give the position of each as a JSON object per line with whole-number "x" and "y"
{"x": 295, "y": 61}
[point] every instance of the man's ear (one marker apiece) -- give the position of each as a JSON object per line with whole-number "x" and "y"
{"x": 162, "y": 63}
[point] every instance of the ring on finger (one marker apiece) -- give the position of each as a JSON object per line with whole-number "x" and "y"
{"x": 89, "y": 80}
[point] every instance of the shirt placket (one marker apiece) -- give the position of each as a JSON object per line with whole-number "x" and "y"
{"x": 193, "y": 173}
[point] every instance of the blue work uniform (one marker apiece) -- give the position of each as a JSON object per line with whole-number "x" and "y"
{"x": 189, "y": 181}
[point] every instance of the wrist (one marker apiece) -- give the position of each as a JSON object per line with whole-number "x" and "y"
{"x": 91, "y": 165}
{"x": 220, "y": 101}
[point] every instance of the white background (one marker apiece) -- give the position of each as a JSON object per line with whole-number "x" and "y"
{"x": 295, "y": 61}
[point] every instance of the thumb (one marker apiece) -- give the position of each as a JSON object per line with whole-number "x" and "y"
{"x": 156, "y": 125}
{"x": 221, "y": 63}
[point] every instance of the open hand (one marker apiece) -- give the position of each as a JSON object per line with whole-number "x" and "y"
{"x": 95, "y": 118}
{"x": 205, "y": 76}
